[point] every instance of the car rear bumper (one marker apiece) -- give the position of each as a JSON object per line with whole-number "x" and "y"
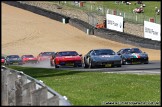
{"x": 136, "y": 60}
{"x": 14, "y": 62}
{"x": 70, "y": 63}
{"x": 30, "y": 61}
{"x": 106, "y": 63}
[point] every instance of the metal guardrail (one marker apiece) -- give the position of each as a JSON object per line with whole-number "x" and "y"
{"x": 21, "y": 89}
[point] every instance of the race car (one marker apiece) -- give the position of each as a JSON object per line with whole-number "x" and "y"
{"x": 28, "y": 59}
{"x": 133, "y": 56}
{"x": 44, "y": 56}
{"x": 13, "y": 59}
{"x": 2, "y": 60}
{"x": 101, "y": 58}
{"x": 66, "y": 58}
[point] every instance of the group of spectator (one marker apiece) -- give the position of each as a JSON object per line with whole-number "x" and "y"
{"x": 139, "y": 9}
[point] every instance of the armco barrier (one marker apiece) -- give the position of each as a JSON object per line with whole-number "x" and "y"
{"x": 81, "y": 25}
{"x": 105, "y": 33}
{"x": 38, "y": 10}
{"x": 19, "y": 89}
{"x": 127, "y": 38}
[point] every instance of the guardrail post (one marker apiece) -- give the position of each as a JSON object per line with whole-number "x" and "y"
{"x": 39, "y": 97}
{"x": 4, "y": 93}
{"x": 26, "y": 93}
{"x": 11, "y": 78}
{"x": 53, "y": 101}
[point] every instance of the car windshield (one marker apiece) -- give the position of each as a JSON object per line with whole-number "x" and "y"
{"x": 2, "y": 57}
{"x": 47, "y": 53}
{"x": 13, "y": 56}
{"x": 29, "y": 56}
{"x": 69, "y": 53}
{"x": 133, "y": 50}
{"x": 104, "y": 52}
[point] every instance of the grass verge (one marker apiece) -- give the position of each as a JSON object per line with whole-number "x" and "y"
{"x": 98, "y": 88}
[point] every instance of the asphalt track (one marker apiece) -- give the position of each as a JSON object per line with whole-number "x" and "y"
{"x": 152, "y": 68}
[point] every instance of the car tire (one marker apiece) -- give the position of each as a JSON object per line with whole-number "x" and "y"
{"x": 146, "y": 62}
{"x": 119, "y": 65}
{"x": 51, "y": 63}
{"x": 91, "y": 64}
{"x": 56, "y": 66}
{"x": 85, "y": 64}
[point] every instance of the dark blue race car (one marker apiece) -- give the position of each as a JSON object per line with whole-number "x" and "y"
{"x": 13, "y": 59}
{"x": 133, "y": 56}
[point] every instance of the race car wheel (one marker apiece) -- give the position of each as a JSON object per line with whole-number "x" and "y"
{"x": 146, "y": 62}
{"x": 119, "y": 65}
{"x": 51, "y": 63}
{"x": 85, "y": 64}
{"x": 91, "y": 64}
{"x": 56, "y": 66}
{"x": 124, "y": 62}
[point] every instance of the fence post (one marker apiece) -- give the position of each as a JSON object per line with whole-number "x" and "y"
{"x": 4, "y": 93}
{"x": 27, "y": 89}
{"x": 19, "y": 89}
{"x": 39, "y": 97}
{"x": 53, "y": 101}
{"x": 11, "y": 78}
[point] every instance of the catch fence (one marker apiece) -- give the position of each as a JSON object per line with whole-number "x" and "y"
{"x": 137, "y": 18}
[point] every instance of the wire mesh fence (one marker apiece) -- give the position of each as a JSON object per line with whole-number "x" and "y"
{"x": 137, "y": 18}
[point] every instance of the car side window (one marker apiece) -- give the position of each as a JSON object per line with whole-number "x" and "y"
{"x": 93, "y": 53}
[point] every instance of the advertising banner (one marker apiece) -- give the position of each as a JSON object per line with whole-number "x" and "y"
{"x": 114, "y": 22}
{"x": 152, "y": 31}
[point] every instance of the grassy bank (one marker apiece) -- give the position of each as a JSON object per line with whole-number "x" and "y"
{"x": 98, "y": 88}
{"x": 125, "y": 10}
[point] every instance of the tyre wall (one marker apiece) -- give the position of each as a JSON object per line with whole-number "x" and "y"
{"x": 87, "y": 28}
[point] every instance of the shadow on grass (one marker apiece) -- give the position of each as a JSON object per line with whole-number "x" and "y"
{"x": 43, "y": 72}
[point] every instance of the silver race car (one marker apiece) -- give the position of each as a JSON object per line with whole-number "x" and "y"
{"x": 102, "y": 58}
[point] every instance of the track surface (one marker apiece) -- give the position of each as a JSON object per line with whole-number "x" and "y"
{"x": 24, "y": 32}
{"x": 153, "y": 68}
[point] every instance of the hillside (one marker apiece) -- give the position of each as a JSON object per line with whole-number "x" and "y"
{"x": 24, "y": 32}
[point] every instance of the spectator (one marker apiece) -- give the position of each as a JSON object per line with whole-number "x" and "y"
{"x": 157, "y": 11}
{"x": 138, "y": 10}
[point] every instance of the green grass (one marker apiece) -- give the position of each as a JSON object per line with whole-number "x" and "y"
{"x": 149, "y": 10}
{"x": 97, "y": 88}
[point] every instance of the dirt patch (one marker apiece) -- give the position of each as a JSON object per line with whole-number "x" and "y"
{"x": 24, "y": 32}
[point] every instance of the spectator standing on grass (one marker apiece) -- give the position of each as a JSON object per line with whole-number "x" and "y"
{"x": 157, "y": 11}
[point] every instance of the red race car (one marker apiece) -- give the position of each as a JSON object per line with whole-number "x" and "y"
{"x": 2, "y": 59}
{"x": 66, "y": 58}
{"x": 44, "y": 56}
{"x": 29, "y": 59}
